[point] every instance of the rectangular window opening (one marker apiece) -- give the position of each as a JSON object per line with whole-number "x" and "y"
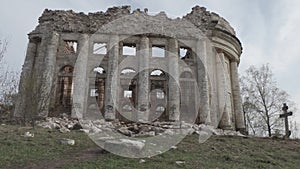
{"x": 100, "y": 48}
{"x": 129, "y": 50}
{"x": 94, "y": 93}
{"x": 70, "y": 46}
{"x": 158, "y": 51}
{"x": 127, "y": 94}
{"x": 160, "y": 95}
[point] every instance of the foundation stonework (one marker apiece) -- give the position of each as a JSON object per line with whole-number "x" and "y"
{"x": 133, "y": 66}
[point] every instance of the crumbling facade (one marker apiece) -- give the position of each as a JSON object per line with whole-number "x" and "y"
{"x": 133, "y": 66}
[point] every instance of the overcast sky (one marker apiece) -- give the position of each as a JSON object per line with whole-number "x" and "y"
{"x": 268, "y": 30}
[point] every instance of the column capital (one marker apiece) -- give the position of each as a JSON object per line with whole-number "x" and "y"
{"x": 144, "y": 37}
{"x": 173, "y": 42}
{"x": 144, "y": 40}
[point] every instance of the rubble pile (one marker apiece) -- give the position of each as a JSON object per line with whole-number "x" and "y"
{"x": 63, "y": 124}
{"x": 133, "y": 129}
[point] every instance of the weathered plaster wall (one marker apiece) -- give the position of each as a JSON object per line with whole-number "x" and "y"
{"x": 216, "y": 54}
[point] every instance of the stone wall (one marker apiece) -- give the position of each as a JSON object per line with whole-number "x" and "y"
{"x": 208, "y": 73}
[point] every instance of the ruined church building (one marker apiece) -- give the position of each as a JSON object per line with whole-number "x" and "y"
{"x": 133, "y": 66}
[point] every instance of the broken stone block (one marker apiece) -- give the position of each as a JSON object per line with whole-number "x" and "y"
{"x": 85, "y": 130}
{"x": 158, "y": 130}
{"x": 180, "y": 162}
{"x": 66, "y": 141}
{"x": 95, "y": 130}
{"x": 69, "y": 126}
{"x": 103, "y": 139}
{"x": 124, "y": 146}
{"x": 142, "y": 161}
{"x": 64, "y": 130}
{"x": 28, "y": 134}
{"x": 147, "y": 134}
{"x": 203, "y": 136}
{"x": 169, "y": 132}
{"x": 173, "y": 147}
{"x": 125, "y": 131}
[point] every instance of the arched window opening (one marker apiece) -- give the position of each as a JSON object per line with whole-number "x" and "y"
{"x": 186, "y": 74}
{"x": 128, "y": 82}
{"x": 185, "y": 53}
{"x": 128, "y": 71}
{"x": 159, "y": 110}
{"x": 182, "y": 52}
{"x": 99, "y": 70}
{"x": 157, "y": 73}
{"x": 99, "y": 92}
{"x": 66, "y": 87}
{"x": 97, "y": 86}
{"x": 158, "y": 80}
{"x": 158, "y": 94}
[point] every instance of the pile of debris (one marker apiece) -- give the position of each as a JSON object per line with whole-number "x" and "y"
{"x": 63, "y": 124}
{"x": 133, "y": 129}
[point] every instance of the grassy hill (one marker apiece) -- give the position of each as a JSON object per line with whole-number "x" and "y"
{"x": 44, "y": 151}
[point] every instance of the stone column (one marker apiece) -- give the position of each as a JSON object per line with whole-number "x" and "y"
{"x": 112, "y": 80}
{"x": 80, "y": 80}
{"x": 224, "y": 93}
{"x": 202, "y": 80}
{"x": 238, "y": 110}
{"x": 143, "y": 81}
{"x": 27, "y": 69}
{"x": 45, "y": 84}
{"x": 173, "y": 68}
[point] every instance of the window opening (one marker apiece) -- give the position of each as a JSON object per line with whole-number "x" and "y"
{"x": 160, "y": 95}
{"x": 127, "y": 94}
{"x": 158, "y": 51}
{"x": 127, "y": 107}
{"x": 99, "y": 70}
{"x": 127, "y": 71}
{"x": 129, "y": 50}
{"x": 70, "y": 47}
{"x": 156, "y": 73}
{"x": 100, "y": 48}
{"x": 94, "y": 92}
{"x": 160, "y": 109}
{"x": 185, "y": 53}
{"x": 66, "y": 87}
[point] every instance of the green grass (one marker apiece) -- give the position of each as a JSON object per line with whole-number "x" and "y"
{"x": 217, "y": 152}
{"x": 16, "y": 150}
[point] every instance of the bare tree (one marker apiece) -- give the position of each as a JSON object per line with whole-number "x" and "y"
{"x": 34, "y": 100}
{"x": 3, "y": 72}
{"x": 9, "y": 80}
{"x": 295, "y": 130}
{"x": 262, "y": 101}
